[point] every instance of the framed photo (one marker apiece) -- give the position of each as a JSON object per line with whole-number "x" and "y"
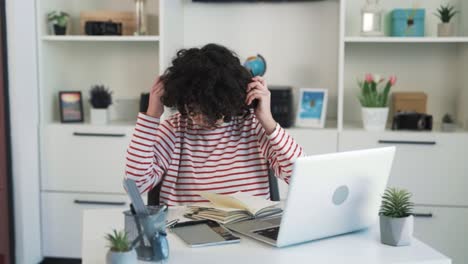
{"x": 71, "y": 107}
{"x": 312, "y": 109}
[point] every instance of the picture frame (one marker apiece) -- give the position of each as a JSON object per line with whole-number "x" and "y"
{"x": 71, "y": 107}
{"x": 312, "y": 107}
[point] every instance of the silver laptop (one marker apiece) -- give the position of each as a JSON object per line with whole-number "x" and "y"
{"x": 328, "y": 195}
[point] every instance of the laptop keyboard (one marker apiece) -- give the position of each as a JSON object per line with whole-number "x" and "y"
{"x": 271, "y": 233}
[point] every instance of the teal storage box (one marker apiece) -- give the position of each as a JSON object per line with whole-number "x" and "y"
{"x": 408, "y": 22}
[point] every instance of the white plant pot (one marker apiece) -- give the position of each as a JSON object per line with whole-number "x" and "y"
{"x": 446, "y": 30}
{"x": 374, "y": 119}
{"x": 129, "y": 257}
{"x": 396, "y": 231}
{"x": 99, "y": 116}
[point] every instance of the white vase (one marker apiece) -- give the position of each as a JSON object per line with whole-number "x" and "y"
{"x": 396, "y": 231}
{"x": 129, "y": 257}
{"x": 446, "y": 30}
{"x": 374, "y": 118}
{"x": 99, "y": 116}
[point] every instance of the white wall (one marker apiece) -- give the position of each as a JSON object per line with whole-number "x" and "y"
{"x": 23, "y": 91}
{"x": 298, "y": 40}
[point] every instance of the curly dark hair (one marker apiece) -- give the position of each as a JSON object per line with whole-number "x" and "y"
{"x": 209, "y": 81}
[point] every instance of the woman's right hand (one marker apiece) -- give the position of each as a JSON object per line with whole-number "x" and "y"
{"x": 155, "y": 106}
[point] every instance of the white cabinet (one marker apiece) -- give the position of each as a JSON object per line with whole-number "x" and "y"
{"x": 313, "y": 142}
{"x": 84, "y": 158}
{"x": 431, "y": 165}
{"x": 446, "y": 230}
{"x": 62, "y": 220}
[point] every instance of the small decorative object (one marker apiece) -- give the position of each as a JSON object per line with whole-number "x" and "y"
{"x": 256, "y": 65}
{"x": 408, "y": 22}
{"x": 371, "y": 19}
{"x": 412, "y": 121}
{"x": 445, "y": 14}
{"x": 374, "y": 101}
{"x": 121, "y": 22}
{"x": 100, "y": 99}
{"x": 396, "y": 219}
{"x": 448, "y": 124}
{"x": 312, "y": 110}
{"x": 101, "y": 28}
{"x": 58, "y": 22}
{"x": 71, "y": 107}
{"x": 120, "y": 251}
{"x": 140, "y": 14}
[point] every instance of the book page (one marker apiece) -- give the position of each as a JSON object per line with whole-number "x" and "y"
{"x": 223, "y": 201}
{"x": 253, "y": 204}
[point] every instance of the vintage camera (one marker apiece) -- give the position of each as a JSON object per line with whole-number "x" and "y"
{"x": 99, "y": 28}
{"x": 412, "y": 121}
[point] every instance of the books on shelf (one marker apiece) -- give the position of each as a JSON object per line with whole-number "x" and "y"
{"x": 232, "y": 208}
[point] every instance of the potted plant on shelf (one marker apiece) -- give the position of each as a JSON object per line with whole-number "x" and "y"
{"x": 445, "y": 14}
{"x": 120, "y": 251}
{"x": 100, "y": 99}
{"x": 374, "y": 101}
{"x": 448, "y": 124}
{"x": 58, "y": 22}
{"x": 396, "y": 219}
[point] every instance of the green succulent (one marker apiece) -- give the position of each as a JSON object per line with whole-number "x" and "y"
{"x": 446, "y": 13}
{"x": 118, "y": 241}
{"x": 58, "y": 18}
{"x": 447, "y": 119}
{"x": 396, "y": 203}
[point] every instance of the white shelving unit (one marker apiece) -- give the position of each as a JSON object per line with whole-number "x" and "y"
{"x": 406, "y": 39}
{"x": 102, "y": 38}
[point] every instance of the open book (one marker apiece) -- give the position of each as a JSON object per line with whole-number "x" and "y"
{"x": 232, "y": 208}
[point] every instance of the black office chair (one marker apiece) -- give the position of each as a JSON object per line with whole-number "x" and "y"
{"x": 153, "y": 195}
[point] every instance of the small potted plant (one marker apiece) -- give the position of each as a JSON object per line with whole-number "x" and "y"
{"x": 448, "y": 124}
{"x": 100, "y": 99}
{"x": 445, "y": 14}
{"x": 396, "y": 219}
{"x": 374, "y": 101}
{"x": 58, "y": 22}
{"x": 120, "y": 251}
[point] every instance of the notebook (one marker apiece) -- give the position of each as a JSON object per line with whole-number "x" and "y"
{"x": 204, "y": 233}
{"x": 232, "y": 208}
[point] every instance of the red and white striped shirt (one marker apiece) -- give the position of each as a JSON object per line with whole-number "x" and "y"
{"x": 227, "y": 159}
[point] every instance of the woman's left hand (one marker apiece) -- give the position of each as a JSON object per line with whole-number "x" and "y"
{"x": 258, "y": 90}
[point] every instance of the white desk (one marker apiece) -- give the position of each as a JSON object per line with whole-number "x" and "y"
{"x": 361, "y": 247}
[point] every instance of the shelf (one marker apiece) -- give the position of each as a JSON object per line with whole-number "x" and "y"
{"x": 353, "y": 126}
{"x": 102, "y": 38}
{"x": 406, "y": 40}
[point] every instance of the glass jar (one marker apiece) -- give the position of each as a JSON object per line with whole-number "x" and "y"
{"x": 140, "y": 16}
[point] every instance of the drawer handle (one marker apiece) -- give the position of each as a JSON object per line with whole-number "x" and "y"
{"x": 407, "y": 142}
{"x": 99, "y": 202}
{"x": 423, "y": 215}
{"x": 79, "y": 134}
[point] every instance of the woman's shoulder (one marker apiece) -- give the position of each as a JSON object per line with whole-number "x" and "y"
{"x": 176, "y": 121}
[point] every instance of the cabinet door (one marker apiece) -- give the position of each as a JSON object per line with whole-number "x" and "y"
{"x": 313, "y": 142}
{"x": 84, "y": 158}
{"x": 445, "y": 229}
{"x": 432, "y": 166}
{"x": 62, "y": 220}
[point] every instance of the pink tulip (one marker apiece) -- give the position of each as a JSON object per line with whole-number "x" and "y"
{"x": 369, "y": 78}
{"x": 392, "y": 80}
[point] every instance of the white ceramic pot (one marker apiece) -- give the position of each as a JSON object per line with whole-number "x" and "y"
{"x": 396, "y": 231}
{"x": 129, "y": 257}
{"x": 99, "y": 116}
{"x": 446, "y": 30}
{"x": 374, "y": 118}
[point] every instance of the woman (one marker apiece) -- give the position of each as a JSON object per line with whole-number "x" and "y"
{"x": 223, "y": 139}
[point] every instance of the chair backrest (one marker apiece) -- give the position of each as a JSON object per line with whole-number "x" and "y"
{"x": 153, "y": 195}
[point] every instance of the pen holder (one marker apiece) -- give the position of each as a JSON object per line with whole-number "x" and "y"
{"x": 148, "y": 233}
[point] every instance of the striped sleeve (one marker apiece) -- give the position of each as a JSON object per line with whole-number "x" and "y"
{"x": 280, "y": 149}
{"x": 149, "y": 152}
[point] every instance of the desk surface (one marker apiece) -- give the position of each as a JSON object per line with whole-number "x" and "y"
{"x": 359, "y": 247}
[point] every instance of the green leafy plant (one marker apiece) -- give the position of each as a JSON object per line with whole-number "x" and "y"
{"x": 100, "y": 97}
{"x": 447, "y": 119}
{"x": 396, "y": 203}
{"x": 58, "y": 18}
{"x": 371, "y": 95}
{"x": 446, "y": 13}
{"x": 118, "y": 241}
